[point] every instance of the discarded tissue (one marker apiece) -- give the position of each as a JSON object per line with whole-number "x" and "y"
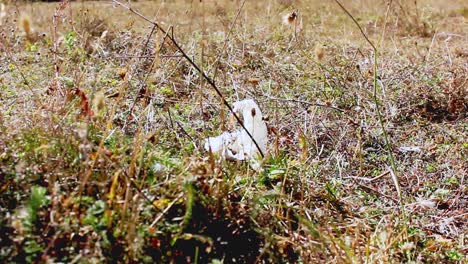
{"x": 238, "y": 145}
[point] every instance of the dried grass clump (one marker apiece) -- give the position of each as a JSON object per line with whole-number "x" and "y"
{"x": 26, "y": 26}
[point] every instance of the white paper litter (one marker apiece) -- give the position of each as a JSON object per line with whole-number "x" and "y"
{"x": 238, "y": 145}
{"x": 409, "y": 149}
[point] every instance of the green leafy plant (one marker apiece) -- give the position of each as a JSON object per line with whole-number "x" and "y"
{"x": 70, "y": 40}
{"x": 37, "y": 200}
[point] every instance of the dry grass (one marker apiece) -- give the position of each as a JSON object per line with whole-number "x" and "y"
{"x": 102, "y": 126}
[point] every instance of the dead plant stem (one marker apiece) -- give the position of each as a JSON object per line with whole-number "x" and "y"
{"x": 197, "y": 68}
{"x": 378, "y": 106}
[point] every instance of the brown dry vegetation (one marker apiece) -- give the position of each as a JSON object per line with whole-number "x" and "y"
{"x": 102, "y": 125}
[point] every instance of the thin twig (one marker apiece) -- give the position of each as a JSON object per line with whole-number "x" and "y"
{"x": 389, "y": 4}
{"x": 141, "y": 83}
{"x": 357, "y": 24}
{"x": 231, "y": 29}
{"x": 208, "y": 79}
{"x": 138, "y": 57}
{"x": 369, "y": 179}
{"x": 156, "y": 220}
{"x": 306, "y": 103}
{"x": 377, "y": 105}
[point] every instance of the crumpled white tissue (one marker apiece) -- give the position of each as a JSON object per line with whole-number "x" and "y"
{"x": 238, "y": 145}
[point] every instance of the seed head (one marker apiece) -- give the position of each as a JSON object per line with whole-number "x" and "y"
{"x": 290, "y": 18}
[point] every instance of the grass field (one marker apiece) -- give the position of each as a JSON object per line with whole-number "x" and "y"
{"x": 102, "y": 124}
